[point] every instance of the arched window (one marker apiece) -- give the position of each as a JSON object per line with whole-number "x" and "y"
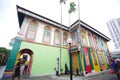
{"x": 97, "y": 43}
{"x": 74, "y": 37}
{"x": 47, "y": 34}
{"x": 31, "y": 31}
{"x": 105, "y": 45}
{"x": 90, "y": 40}
{"x": 84, "y": 42}
{"x": 65, "y": 36}
{"x": 57, "y": 37}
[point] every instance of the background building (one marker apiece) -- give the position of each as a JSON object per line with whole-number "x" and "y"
{"x": 115, "y": 53}
{"x": 114, "y": 29}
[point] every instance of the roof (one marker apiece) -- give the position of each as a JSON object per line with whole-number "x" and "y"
{"x": 22, "y": 12}
{"x": 115, "y": 51}
{"x": 88, "y": 27}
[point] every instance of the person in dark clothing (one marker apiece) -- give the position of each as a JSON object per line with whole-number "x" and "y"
{"x": 77, "y": 72}
{"x": 17, "y": 69}
{"x": 25, "y": 68}
{"x": 115, "y": 67}
{"x": 66, "y": 69}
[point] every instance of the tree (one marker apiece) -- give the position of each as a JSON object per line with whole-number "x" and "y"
{"x": 61, "y": 1}
{"x": 72, "y": 7}
{"x": 4, "y": 54}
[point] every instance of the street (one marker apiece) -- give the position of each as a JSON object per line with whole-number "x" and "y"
{"x": 102, "y": 76}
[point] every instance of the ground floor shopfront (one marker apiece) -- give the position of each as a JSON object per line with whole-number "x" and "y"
{"x": 45, "y": 60}
{"x": 89, "y": 60}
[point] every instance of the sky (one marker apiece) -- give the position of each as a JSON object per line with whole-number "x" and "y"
{"x": 95, "y": 13}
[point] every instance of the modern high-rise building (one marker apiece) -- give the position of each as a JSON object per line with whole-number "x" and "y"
{"x": 114, "y": 29}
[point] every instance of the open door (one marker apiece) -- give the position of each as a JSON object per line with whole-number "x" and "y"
{"x": 75, "y": 61}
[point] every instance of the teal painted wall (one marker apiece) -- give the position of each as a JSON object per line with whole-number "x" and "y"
{"x": 44, "y": 58}
{"x": 13, "y": 55}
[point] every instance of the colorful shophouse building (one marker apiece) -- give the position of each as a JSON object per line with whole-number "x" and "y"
{"x": 39, "y": 39}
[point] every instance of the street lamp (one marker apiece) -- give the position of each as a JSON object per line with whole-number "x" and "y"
{"x": 69, "y": 41}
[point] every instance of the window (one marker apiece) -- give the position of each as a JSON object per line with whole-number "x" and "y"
{"x": 102, "y": 45}
{"x": 118, "y": 39}
{"x": 84, "y": 42}
{"x": 99, "y": 42}
{"x": 57, "y": 37}
{"x": 105, "y": 46}
{"x": 96, "y": 40}
{"x": 90, "y": 41}
{"x": 65, "y": 39}
{"x": 119, "y": 44}
{"x": 31, "y": 31}
{"x": 47, "y": 34}
{"x": 116, "y": 46}
{"x": 74, "y": 37}
{"x": 113, "y": 40}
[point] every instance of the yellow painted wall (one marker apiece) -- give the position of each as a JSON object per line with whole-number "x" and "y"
{"x": 96, "y": 67}
{"x": 18, "y": 56}
{"x": 104, "y": 60}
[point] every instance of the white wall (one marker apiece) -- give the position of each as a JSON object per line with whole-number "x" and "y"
{"x": 39, "y": 32}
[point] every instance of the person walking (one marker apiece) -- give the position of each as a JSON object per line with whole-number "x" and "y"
{"x": 17, "y": 69}
{"x": 25, "y": 68}
{"x": 115, "y": 67}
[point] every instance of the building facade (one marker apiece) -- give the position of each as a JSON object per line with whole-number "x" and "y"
{"x": 114, "y": 26}
{"x": 44, "y": 42}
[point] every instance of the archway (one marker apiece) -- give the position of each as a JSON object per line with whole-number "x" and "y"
{"x": 26, "y": 54}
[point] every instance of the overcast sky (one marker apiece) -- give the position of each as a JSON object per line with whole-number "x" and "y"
{"x": 95, "y": 13}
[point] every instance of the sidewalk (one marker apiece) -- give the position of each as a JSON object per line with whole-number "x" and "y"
{"x": 2, "y": 68}
{"x": 67, "y": 77}
{"x": 62, "y": 77}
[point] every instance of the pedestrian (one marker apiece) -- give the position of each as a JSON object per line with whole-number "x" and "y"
{"x": 25, "y": 68}
{"x": 77, "y": 72}
{"x": 17, "y": 69}
{"x": 66, "y": 69}
{"x": 115, "y": 67}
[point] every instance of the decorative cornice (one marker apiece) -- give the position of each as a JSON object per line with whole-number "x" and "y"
{"x": 44, "y": 19}
{"x": 89, "y": 28}
{"x": 41, "y": 18}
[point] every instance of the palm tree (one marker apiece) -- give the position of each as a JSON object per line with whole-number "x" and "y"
{"x": 61, "y": 1}
{"x": 72, "y": 9}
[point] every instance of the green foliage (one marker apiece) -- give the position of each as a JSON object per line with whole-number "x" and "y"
{"x": 61, "y": 69}
{"x": 4, "y": 54}
{"x": 55, "y": 69}
{"x": 72, "y": 7}
{"x": 4, "y": 50}
{"x": 63, "y": 1}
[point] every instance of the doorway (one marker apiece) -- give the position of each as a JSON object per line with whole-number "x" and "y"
{"x": 27, "y": 56}
{"x": 75, "y": 61}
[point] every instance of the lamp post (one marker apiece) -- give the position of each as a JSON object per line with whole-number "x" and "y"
{"x": 69, "y": 41}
